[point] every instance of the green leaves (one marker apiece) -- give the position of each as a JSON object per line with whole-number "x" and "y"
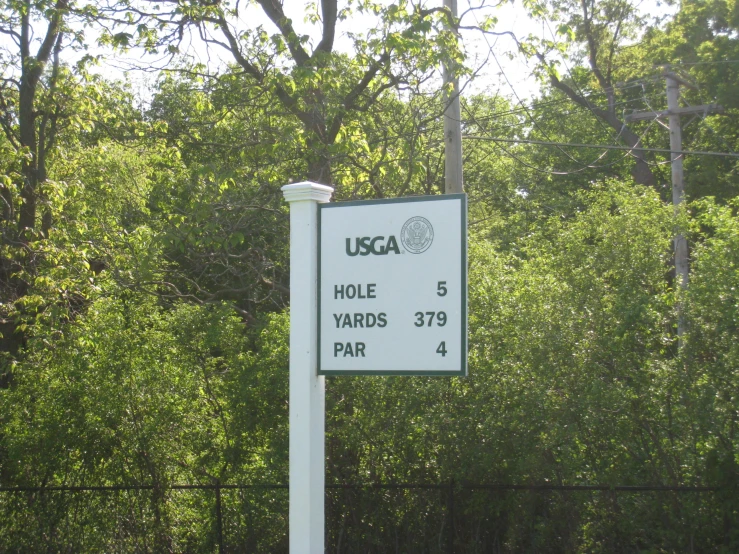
{"x": 566, "y": 31}
{"x": 121, "y": 40}
{"x": 151, "y": 335}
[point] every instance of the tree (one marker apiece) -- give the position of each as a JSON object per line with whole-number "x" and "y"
{"x": 319, "y": 86}
{"x": 223, "y": 223}
{"x": 596, "y": 32}
{"x": 30, "y": 127}
{"x": 40, "y": 100}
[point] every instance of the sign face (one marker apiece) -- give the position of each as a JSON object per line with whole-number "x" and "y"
{"x": 392, "y": 286}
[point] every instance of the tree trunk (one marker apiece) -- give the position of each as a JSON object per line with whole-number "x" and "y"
{"x": 33, "y": 172}
{"x": 30, "y": 74}
{"x": 319, "y": 157}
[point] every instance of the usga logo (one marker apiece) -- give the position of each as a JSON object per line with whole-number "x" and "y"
{"x": 416, "y": 235}
{"x": 365, "y": 246}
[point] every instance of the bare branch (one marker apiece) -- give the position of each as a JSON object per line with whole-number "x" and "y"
{"x": 52, "y": 32}
{"x": 643, "y": 174}
{"x": 274, "y": 11}
{"x": 6, "y": 124}
{"x": 15, "y": 35}
{"x": 350, "y": 100}
{"x": 329, "y": 13}
{"x": 593, "y": 49}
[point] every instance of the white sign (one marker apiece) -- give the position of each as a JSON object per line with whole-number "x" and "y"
{"x": 392, "y": 286}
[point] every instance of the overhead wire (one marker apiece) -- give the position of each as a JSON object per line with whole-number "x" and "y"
{"x": 716, "y": 62}
{"x": 708, "y": 125}
{"x": 583, "y": 166}
{"x": 496, "y": 115}
{"x": 604, "y": 146}
{"x": 644, "y": 98}
{"x": 577, "y": 86}
{"x": 639, "y": 83}
{"x": 547, "y": 143}
{"x": 538, "y": 105}
{"x": 518, "y": 98}
{"x": 731, "y": 152}
{"x": 591, "y": 165}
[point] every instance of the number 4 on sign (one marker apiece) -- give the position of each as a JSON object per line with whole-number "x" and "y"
{"x": 441, "y": 349}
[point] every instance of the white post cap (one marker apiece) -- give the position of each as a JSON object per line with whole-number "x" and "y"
{"x": 300, "y": 192}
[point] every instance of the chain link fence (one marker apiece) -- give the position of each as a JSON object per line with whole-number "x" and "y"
{"x": 380, "y": 518}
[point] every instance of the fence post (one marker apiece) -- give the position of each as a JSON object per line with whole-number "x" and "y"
{"x": 219, "y": 519}
{"x": 450, "y": 516}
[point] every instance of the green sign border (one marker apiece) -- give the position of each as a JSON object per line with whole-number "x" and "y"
{"x": 462, "y": 372}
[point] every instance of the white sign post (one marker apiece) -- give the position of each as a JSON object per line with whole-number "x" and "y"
{"x": 307, "y": 388}
{"x": 376, "y": 287}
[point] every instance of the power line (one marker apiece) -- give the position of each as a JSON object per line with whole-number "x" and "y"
{"x": 578, "y": 109}
{"x": 579, "y": 90}
{"x": 704, "y": 63}
{"x": 710, "y": 128}
{"x": 518, "y": 98}
{"x": 539, "y": 169}
{"x": 583, "y": 166}
{"x": 602, "y": 146}
{"x": 538, "y": 105}
{"x": 580, "y": 169}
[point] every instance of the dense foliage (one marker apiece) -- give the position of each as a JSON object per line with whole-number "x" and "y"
{"x": 144, "y": 308}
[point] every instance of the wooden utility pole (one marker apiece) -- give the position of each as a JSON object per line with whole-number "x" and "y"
{"x": 673, "y": 114}
{"x": 453, "y": 182}
{"x": 678, "y": 186}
